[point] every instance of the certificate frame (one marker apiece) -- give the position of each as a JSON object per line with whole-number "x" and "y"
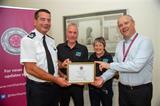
{"x": 81, "y": 72}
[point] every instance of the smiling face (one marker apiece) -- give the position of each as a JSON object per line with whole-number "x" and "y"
{"x": 99, "y": 48}
{"x": 126, "y": 26}
{"x": 43, "y": 22}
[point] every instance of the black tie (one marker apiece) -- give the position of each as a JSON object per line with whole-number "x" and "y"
{"x": 49, "y": 59}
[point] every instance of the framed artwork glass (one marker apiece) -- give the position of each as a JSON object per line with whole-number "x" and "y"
{"x": 93, "y": 25}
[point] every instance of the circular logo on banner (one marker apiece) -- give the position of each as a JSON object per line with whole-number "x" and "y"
{"x": 11, "y": 38}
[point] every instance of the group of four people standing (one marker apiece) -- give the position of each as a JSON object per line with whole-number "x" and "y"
{"x": 47, "y": 86}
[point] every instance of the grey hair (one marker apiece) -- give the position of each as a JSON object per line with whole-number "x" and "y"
{"x": 127, "y": 15}
{"x": 72, "y": 24}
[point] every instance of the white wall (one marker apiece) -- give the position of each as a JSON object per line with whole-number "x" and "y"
{"x": 145, "y": 12}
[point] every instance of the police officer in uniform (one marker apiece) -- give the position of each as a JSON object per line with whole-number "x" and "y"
{"x": 71, "y": 51}
{"x": 42, "y": 83}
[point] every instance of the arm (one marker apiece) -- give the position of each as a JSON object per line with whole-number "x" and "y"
{"x": 143, "y": 55}
{"x": 29, "y": 60}
{"x": 60, "y": 66}
{"x": 64, "y": 64}
{"x": 99, "y": 81}
{"x": 32, "y": 69}
{"x": 85, "y": 55}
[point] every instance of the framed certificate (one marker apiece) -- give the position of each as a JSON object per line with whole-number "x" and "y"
{"x": 81, "y": 72}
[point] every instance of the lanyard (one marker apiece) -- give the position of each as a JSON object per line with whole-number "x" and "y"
{"x": 126, "y": 53}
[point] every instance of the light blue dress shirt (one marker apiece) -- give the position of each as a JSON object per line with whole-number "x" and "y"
{"x": 137, "y": 68}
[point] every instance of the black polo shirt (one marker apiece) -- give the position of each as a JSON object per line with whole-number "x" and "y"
{"x": 107, "y": 57}
{"x": 78, "y": 53}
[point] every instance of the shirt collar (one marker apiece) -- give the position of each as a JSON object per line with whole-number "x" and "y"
{"x": 129, "y": 40}
{"x": 66, "y": 44}
{"x": 105, "y": 54}
{"x": 38, "y": 34}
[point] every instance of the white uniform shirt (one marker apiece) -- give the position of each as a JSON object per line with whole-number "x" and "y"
{"x": 137, "y": 68}
{"x": 32, "y": 50}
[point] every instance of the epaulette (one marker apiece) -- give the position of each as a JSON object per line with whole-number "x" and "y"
{"x": 31, "y": 35}
{"x": 50, "y": 37}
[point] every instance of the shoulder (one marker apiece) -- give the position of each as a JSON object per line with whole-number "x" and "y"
{"x": 28, "y": 38}
{"x": 92, "y": 55}
{"x": 144, "y": 39}
{"x": 27, "y": 41}
{"x": 60, "y": 45}
{"x": 107, "y": 57}
{"x": 32, "y": 35}
{"x": 50, "y": 37}
{"x": 81, "y": 46}
{"x": 108, "y": 54}
{"x": 50, "y": 40}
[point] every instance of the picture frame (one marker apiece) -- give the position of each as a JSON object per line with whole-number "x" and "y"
{"x": 92, "y": 25}
{"x": 81, "y": 72}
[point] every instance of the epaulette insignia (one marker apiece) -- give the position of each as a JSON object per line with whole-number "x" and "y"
{"x": 31, "y": 35}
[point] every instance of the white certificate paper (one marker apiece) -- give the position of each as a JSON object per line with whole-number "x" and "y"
{"x": 83, "y": 72}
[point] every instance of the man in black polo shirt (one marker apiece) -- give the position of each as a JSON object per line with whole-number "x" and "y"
{"x": 71, "y": 51}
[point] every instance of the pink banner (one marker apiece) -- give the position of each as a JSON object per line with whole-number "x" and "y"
{"x": 14, "y": 24}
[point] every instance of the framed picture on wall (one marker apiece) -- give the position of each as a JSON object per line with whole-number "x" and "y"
{"x": 92, "y": 25}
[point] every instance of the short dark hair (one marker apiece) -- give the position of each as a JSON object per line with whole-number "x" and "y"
{"x": 101, "y": 40}
{"x": 40, "y": 10}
